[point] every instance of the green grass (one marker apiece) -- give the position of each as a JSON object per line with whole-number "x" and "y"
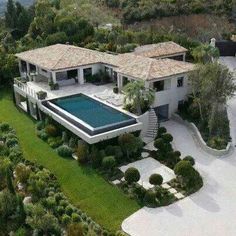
{"x": 106, "y": 204}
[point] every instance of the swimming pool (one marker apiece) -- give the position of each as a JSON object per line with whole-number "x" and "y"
{"x": 90, "y": 115}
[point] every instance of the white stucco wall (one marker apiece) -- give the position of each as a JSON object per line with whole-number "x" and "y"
{"x": 172, "y": 94}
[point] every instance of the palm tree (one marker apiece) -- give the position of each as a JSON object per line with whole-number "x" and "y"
{"x": 138, "y": 95}
{"x": 205, "y": 53}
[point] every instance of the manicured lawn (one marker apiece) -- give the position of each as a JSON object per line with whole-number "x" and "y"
{"x": 103, "y": 202}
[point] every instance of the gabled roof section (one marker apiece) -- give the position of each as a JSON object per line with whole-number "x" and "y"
{"x": 150, "y": 69}
{"x": 60, "y": 56}
{"x": 164, "y": 49}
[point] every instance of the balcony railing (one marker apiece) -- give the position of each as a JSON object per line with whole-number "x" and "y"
{"x": 25, "y": 88}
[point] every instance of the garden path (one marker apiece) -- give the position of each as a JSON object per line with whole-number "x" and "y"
{"x": 209, "y": 212}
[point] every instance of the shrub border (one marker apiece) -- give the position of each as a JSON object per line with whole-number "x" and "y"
{"x": 199, "y": 140}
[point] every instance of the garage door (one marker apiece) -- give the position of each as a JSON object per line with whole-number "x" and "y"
{"x": 162, "y": 112}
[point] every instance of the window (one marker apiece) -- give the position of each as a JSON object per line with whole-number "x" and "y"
{"x": 87, "y": 73}
{"x": 158, "y": 85}
{"x": 180, "y": 82}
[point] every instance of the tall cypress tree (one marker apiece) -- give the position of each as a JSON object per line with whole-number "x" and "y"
{"x": 9, "y": 182}
{"x": 10, "y": 14}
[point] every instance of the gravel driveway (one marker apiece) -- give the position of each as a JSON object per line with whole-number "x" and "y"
{"x": 209, "y": 212}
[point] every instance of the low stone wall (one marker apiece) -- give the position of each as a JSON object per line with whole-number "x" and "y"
{"x": 199, "y": 140}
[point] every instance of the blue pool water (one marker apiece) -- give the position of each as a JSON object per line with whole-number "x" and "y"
{"x": 91, "y": 111}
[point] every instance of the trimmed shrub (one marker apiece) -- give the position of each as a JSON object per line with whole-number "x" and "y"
{"x": 82, "y": 153}
{"x": 190, "y": 159}
{"x": 43, "y": 135}
{"x": 40, "y": 125}
{"x": 183, "y": 168}
{"x": 167, "y": 137}
{"x": 51, "y": 130}
{"x": 75, "y": 217}
{"x": 60, "y": 210}
{"x": 150, "y": 199}
{"x": 64, "y": 151}
{"x": 11, "y": 142}
{"x": 132, "y": 175}
{"x": 22, "y": 172}
{"x": 4, "y": 127}
{"x": 161, "y": 131}
{"x": 96, "y": 157}
{"x": 109, "y": 162}
{"x": 156, "y": 179}
{"x": 69, "y": 210}
{"x": 159, "y": 143}
{"x": 54, "y": 142}
{"x": 65, "y": 219}
{"x": 114, "y": 151}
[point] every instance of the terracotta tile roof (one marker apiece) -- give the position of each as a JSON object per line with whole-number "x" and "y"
{"x": 150, "y": 69}
{"x": 59, "y": 57}
{"x": 160, "y": 49}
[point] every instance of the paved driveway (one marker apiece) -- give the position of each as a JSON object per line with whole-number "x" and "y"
{"x": 209, "y": 212}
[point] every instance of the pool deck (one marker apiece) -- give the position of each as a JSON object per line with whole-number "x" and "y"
{"x": 88, "y": 89}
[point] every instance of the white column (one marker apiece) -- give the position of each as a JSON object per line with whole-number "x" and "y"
{"x": 146, "y": 84}
{"x": 184, "y": 57}
{"x": 81, "y": 75}
{"x": 120, "y": 82}
{"x": 54, "y": 77}
{"x": 20, "y": 67}
{"x": 28, "y": 68}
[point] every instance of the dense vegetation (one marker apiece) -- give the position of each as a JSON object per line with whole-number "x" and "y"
{"x": 138, "y": 10}
{"x": 31, "y": 202}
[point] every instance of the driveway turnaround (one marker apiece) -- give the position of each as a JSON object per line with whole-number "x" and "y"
{"x": 209, "y": 212}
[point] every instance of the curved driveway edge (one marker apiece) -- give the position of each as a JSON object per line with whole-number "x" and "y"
{"x": 209, "y": 212}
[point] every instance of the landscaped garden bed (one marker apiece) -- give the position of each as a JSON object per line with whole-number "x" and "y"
{"x": 31, "y": 200}
{"x": 219, "y": 138}
{"x": 107, "y": 157}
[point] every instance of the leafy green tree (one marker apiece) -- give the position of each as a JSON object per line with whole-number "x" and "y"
{"x": 10, "y": 14}
{"x": 137, "y": 94}
{"x": 129, "y": 144}
{"x": 212, "y": 85}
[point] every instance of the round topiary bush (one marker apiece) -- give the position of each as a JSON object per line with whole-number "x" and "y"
{"x": 177, "y": 154}
{"x": 109, "y": 162}
{"x": 11, "y": 142}
{"x": 183, "y": 168}
{"x": 64, "y": 151}
{"x": 150, "y": 198}
{"x": 51, "y": 130}
{"x": 65, "y": 219}
{"x": 69, "y": 210}
{"x": 75, "y": 217}
{"x": 4, "y": 127}
{"x": 159, "y": 143}
{"x": 132, "y": 175}
{"x": 161, "y": 131}
{"x": 167, "y": 137}
{"x": 156, "y": 179}
{"x": 190, "y": 159}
